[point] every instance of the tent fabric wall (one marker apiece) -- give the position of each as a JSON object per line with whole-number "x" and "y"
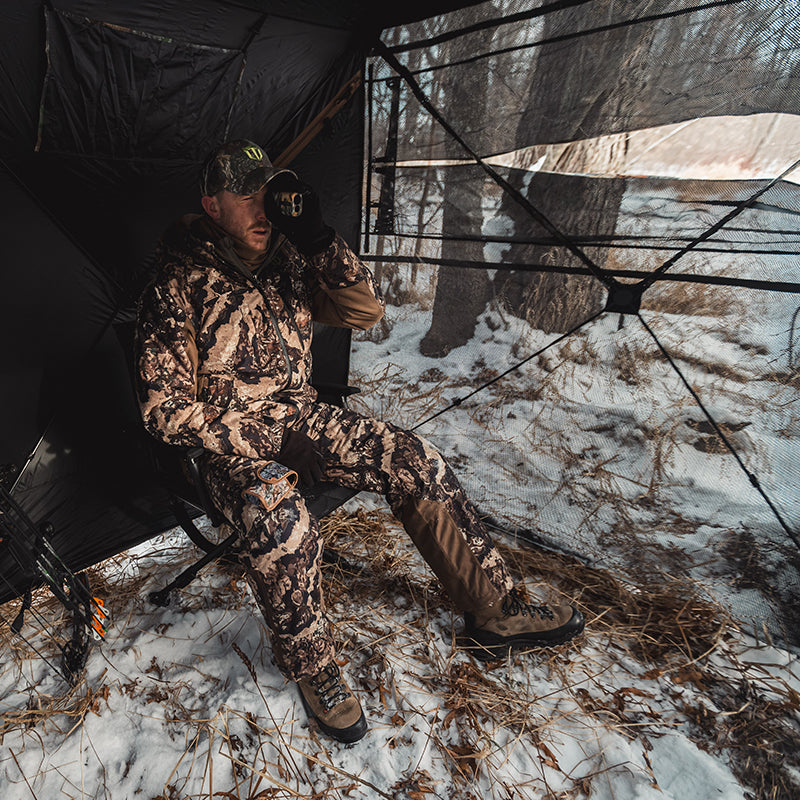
{"x": 91, "y": 177}
{"x": 67, "y": 400}
{"x": 499, "y": 172}
{"x": 127, "y": 103}
{"x": 106, "y": 112}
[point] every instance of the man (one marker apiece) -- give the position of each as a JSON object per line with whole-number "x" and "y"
{"x": 224, "y": 363}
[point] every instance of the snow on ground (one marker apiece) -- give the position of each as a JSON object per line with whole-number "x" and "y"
{"x": 597, "y": 446}
{"x": 185, "y": 702}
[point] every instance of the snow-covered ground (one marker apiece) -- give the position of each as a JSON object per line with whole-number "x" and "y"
{"x": 185, "y": 702}
{"x": 597, "y": 446}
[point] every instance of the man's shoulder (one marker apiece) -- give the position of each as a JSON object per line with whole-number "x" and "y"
{"x": 183, "y": 235}
{"x": 184, "y": 247}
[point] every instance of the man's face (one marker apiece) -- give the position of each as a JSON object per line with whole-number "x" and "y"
{"x": 241, "y": 216}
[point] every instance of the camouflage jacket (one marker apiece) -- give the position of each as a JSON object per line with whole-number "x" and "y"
{"x": 223, "y": 357}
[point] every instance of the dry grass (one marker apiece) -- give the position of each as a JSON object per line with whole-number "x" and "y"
{"x": 645, "y": 645}
{"x": 697, "y": 299}
{"x": 665, "y": 623}
{"x": 403, "y": 402}
{"x": 669, "y": 627}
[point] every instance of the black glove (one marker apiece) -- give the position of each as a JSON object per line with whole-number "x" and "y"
{"x": 299, "y": 452}
{"x": 293, "y": 208}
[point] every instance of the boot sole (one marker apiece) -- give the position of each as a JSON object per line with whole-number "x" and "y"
{"x": 347, "y": 735}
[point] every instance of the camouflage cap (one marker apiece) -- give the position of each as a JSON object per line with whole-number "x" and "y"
{"x": 240, "y": 166}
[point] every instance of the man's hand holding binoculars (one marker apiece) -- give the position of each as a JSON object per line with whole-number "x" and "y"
{"x": 293, "y": 208}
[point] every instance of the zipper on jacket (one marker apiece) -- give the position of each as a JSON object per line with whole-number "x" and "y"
{"x": 233, "y": 258}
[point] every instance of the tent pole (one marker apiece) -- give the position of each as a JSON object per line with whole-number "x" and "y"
{"x": 342, "y": 98}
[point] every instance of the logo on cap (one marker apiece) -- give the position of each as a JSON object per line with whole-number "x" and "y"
{"x": 254, "y": 153}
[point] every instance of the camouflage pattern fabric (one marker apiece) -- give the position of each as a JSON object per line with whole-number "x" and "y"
{"x": 224, "y": 363}
{"x": 240, "y": 166}
{"x": 281, "y": 549}
{"x": 224, "y": 359}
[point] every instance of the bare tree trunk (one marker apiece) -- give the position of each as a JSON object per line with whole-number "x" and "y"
{"x": 550, "y": 301}
{"x": 461, "y": 295}
{"x": 577, "y": 207}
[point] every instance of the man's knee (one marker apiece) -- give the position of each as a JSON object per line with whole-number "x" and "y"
{"x": 420, "y": 463}
{"x": 287, "y": 530}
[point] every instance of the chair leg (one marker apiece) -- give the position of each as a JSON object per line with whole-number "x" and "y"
{"x": 161, "y": 597}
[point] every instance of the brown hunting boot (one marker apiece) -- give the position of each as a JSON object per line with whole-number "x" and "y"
{"x": 516, "y": 625}
{"x": 329, "y": 701}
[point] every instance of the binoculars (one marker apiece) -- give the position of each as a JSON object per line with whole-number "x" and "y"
{"x": 290, "y": 204}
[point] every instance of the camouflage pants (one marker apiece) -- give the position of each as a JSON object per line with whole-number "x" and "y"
{"x": 282, "y": 549}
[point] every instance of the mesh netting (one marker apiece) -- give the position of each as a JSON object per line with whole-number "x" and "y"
{"x": 601, "y": 198}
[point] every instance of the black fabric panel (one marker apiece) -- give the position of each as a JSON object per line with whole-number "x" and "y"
{"x": 292, "y": 72}
{"x": 208, "y": 20}
{"x": 90, "y": 475}
{"x": 202, "y": 22}
{"x": 23, "y": 65}
{"x": 66, "y": 399}
{"x": 118, "y": 93}
{"x": 332, "y": 162}
{"x": 54, "y": 304}
{"x": 83, "y": 215}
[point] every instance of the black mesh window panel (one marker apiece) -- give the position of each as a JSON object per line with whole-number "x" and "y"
{"x": 585, "y": 220}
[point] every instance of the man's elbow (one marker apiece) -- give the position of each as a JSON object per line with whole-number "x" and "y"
{"x": 366, "y": 318}
{"x": 354, "y": 307}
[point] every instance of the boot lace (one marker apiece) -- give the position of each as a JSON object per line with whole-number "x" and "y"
{"x": 514, "y": 605}
{"x": 328, "y": 686}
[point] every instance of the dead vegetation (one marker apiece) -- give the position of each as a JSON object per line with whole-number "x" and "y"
{"x": 403, "y": 402}
{"x": 668, "y": 627}
{"x": 658, "y": 654}
{"x": 696, "y": 299}
{"x": 646, "y": 665}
